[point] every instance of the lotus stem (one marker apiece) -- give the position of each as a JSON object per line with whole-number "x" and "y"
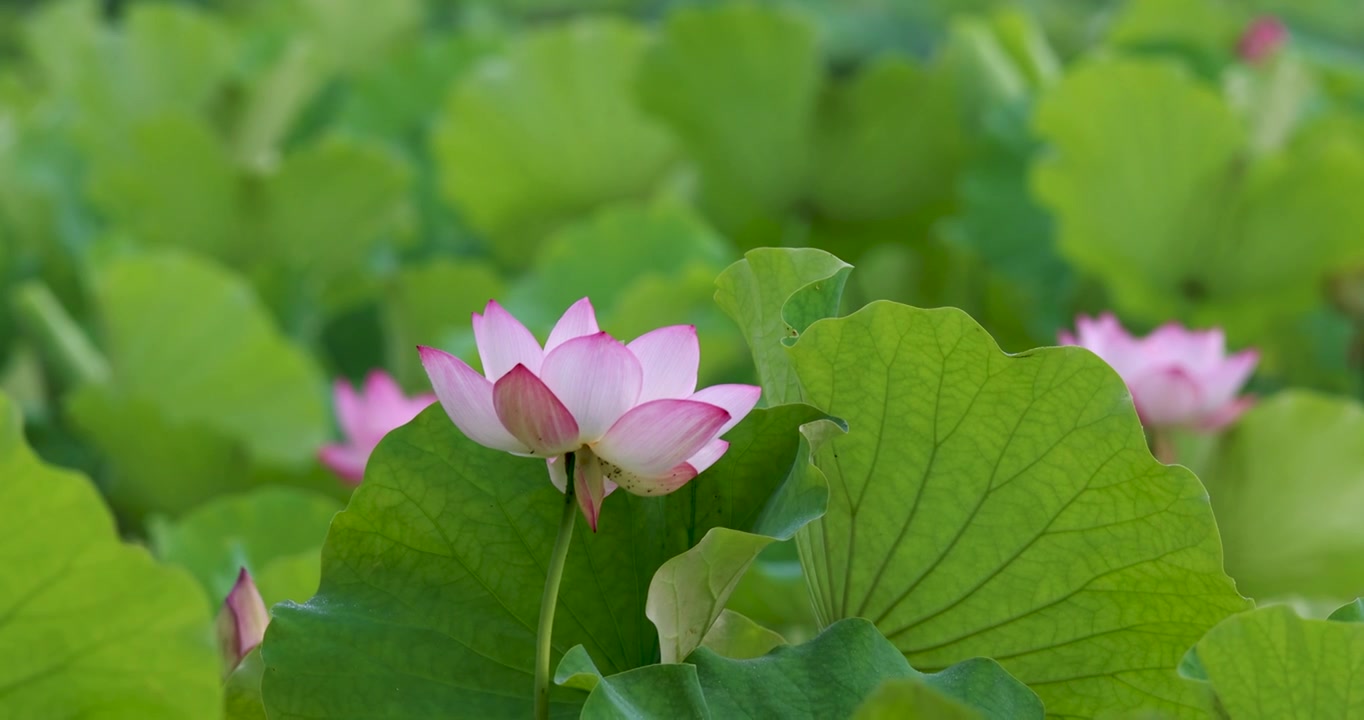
{"x": 545, "y": 635}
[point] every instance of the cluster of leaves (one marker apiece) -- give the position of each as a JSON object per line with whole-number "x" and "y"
{"x": 206, "y": 213}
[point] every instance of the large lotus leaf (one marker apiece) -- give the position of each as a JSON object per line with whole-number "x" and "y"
{"x": 431, "y": 578}
{"x": 195, "y": 356}
{"x": 688, "y": 592}
{"x": 756, "y": 291}
{"x": 1144, "y": 244}
{"x": 976, "y": 689}
{"x": 794, "y": 681}
{"x": 91, "y": 627}
{"x": 215, "y": 540}
{"x": 190, "y": 338}
{"x": 353, "y": 34}
{"x": 909, "y": 699}
{"x": 644, "y": 266}
{"x": 291, "y": 577}
{"x": 1352, "y": 611}
{"x": 330, "y": 202}
{"x": 320, "y": 212}
{"x": 63, "y": 42}
{"x": 610, "y": 250}
{"x": 153, "y": 455}
{"x": 687, "y": 297}
{"x": 547, "y": 131}
{"x": 423, "y": 304}
{"x": 671, "y": 690}
{"x": 161, "y": 58}
{"x": 170, "y": 56}
{"x": 889, "y": 144}
{"x": 274, "y": 100}
{"x": 1270, "y": 663}
{"x": 983, "y": 504}
{"x": 1219, "y": 238}
{"x": 170, "y": 182}
{"x": 1002, "y": 223}
{"x": 1202, "y": 33}
{"x": 397, "y": 99}
{"x": 1287, "y": 484}
{"x": 739, "y": 84}
{"x": 773, "y": 594}
{"x": 241, "y": 692}
{"x": 735, "y": 636}
{"x": 828, "y": 677}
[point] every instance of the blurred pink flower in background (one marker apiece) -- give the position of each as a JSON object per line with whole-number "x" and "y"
{"x": 1262, "y": 37}
{"x": 365, "y": 419}
{"x": 242, "y": 621}
{"x": 630, "y": 414}
{"x": 1178, "y": 377}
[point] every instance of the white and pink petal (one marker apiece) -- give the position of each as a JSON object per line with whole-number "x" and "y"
{"x": 653, "y": 438}
{"x": 531, "y": 412}
{"x": 650, "y": 485}
{"x": 579, "y": 320}
{"x": 1222, "y": 382}
{"x": 589, "y": 486}
{"x": 670, "y": 357}
{"x": 708, "y": 455}
{"x": 347, "y": 461}
{"x": 504, "y": 343}
{"x": 467, "y": 397}
{"x": 1167, "y": 397}
{"x": 597, "y": 378}
{"x": 737, "y": 400}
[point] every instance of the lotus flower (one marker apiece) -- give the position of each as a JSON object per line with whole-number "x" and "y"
{"x": 630, "y": 414}
{"x": 242, "y": 621}
{"x": 365, "y": 419}
{"x": 1178, "y": 377}
{"x": 1261, "y": 39}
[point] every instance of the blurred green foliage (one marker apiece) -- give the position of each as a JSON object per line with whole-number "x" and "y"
{"x": 210, "y": 208}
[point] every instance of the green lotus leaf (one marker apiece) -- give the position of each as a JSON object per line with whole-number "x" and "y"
{"x": 251, "y": 530}
{"x": 1223, "y": 237}
{"x": 739, "y": 85}
{"x": 92, "y": 627}
{"x": 983, "y": 504}
{"x": 548, "y": 130}
{"x": 755, "y": 292}
{"x": 1286, "y": 483}
{"x": 1270, "y": 663}
{"x": 194, "y": 355}
{"x": 909, "y": 699}
{"x": 832, "y": 676}
{"x": 735, "y": 636}
{"x": 431, "y": 577}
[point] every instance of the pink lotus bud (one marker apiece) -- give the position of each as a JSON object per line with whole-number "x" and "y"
{"x": 365, "y": 419}
{"x": 1264, "y": 35}
{"x": 242, "y": 621}
{"x": 1178, "y": 377}
{"x": 631, "y": 414}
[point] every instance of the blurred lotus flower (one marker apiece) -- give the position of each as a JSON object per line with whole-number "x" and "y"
{"x": 630, "y": 413}
{"x": 365, "y": 419}
{"x": 1261, "y": 39}
{"x": 1178, "y": 377}
{"x": 242, "y": 621}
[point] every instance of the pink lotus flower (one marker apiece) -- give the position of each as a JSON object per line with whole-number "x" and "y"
{"x": 630, "y": 413}
{"x": 1177, "y": 377}
{"x": 242, "y": 621}
{"x": 365, "y": 419}
{"x": 1261, "y": 39}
